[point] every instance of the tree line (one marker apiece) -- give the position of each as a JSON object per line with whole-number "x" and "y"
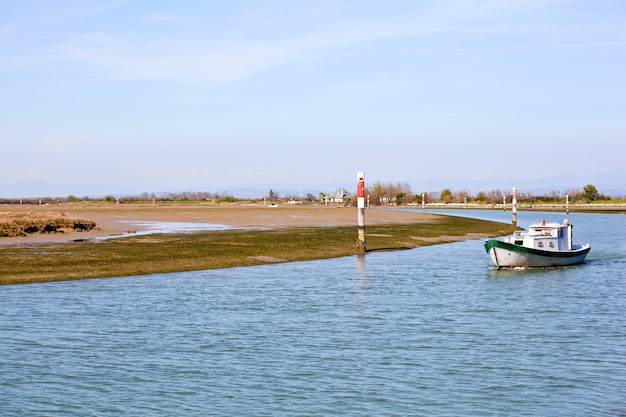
{"x": 185, "y": 196}
{"x": 401, "y": 194}
{"x": 378, "y": 194}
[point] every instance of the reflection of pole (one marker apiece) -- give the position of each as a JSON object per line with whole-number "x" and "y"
{"x": 362, "y": 273}
{"x": 514, "y": 206}
{"x": 360, "y": 244}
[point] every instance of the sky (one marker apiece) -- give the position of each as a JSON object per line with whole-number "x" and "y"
{"x": 153, "y": 95}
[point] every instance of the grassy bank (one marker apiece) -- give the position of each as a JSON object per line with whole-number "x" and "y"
{"x": 161, "y": 253}
{"x": 26, "y": 223}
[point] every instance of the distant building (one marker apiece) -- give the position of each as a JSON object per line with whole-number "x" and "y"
{"x": 341, "y": 196}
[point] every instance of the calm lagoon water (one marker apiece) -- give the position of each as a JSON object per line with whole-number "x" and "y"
{"x": 429, "y": 331}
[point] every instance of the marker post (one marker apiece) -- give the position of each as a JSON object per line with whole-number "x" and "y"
{"x": 360, "y": 245}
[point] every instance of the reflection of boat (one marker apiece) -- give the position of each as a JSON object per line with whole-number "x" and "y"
{"x": 544, "y": 244}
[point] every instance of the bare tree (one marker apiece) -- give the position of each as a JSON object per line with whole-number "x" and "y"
{"x": 390, "y": 193}
{"x": 494, "y": 196}
{"x": 461, "y": 196}
{"x": 273, "y": 195}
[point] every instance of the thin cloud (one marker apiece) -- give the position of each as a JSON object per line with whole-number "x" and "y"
{"x": 241, "y": 52}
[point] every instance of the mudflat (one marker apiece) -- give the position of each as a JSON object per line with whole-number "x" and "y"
{"x": 123, "y": 219}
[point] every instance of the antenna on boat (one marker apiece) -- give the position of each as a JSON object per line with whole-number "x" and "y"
{"x": 514, "y": 207}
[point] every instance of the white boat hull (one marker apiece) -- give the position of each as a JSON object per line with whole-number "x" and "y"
{"x": 505, "y": 255}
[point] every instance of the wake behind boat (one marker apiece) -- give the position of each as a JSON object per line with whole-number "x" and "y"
{"x": 543, "y": 245}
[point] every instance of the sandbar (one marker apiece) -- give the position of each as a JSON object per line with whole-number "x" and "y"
{"x": 114, "y": 220}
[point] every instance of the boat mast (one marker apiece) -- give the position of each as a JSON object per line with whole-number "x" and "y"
{"x": 569, "y": 236}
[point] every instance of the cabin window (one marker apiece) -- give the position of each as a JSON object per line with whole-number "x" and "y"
{"x": 540, "y": 244}
{"x": 551, "y": 244}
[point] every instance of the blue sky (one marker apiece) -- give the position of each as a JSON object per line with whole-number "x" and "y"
{"x": 161, "y": 95}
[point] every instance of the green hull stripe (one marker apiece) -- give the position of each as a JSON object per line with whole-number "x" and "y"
{"x": 521, "y": 249}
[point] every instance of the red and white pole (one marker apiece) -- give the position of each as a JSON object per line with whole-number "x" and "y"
{"x": 360, "y": 186}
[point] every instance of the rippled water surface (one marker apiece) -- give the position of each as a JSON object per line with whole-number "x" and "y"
{"x": 429, "y": 331}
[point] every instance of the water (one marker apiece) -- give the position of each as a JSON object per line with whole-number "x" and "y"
{"x": 166, "y": 227}
{"x": 429, "y": 331}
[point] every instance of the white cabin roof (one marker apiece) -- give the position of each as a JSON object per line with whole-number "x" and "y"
{"x": 546, "y": 226}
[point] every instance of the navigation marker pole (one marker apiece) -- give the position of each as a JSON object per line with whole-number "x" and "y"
{"x": 514, "y": 206}
{"x": 567, "y": 204}
{"x": 360, "y": 244}
{"x": 423, "y": 203}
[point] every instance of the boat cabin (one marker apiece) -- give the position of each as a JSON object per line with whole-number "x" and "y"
{"x": 545, "y": 236}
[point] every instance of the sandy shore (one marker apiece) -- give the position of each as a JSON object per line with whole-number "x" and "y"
{"x": 116, "y": 220}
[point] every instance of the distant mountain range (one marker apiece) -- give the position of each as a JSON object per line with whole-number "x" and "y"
{"x": 613, "y": 184}
{"x": 34, "y": 189}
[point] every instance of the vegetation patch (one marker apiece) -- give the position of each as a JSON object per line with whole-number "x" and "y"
{"x": 24, "y": 224}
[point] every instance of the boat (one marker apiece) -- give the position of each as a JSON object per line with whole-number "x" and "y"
{"x": 543, "y": 245}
